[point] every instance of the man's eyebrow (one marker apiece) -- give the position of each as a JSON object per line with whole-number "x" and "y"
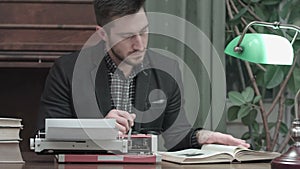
{"x": 131, "y": 33}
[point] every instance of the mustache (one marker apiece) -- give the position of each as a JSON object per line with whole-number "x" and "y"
{"x": 137, "y": 52}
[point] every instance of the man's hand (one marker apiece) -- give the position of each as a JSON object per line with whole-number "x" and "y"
{"x": 123, "y": 119}
{"x": 209, "y": 137}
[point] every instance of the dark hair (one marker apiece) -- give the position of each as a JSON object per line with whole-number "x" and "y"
{"x": 105, "y": 10}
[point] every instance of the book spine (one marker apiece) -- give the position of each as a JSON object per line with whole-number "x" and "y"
{"x": 94, "y": 158}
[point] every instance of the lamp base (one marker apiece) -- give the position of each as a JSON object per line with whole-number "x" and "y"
{"x": 288, "y": 160}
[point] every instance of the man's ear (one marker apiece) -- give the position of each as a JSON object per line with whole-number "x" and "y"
{"x": 101, "y": 32}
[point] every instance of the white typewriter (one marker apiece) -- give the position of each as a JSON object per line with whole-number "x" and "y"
{"x": 91, "y": 136}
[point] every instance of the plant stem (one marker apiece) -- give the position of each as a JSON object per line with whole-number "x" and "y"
{"x": 242, "y": 78}
{"x": 242, "y": 18}
{"x": 261, "y": 67}
{"x": 279, "y": 120}
{"x": 254, "y": 84}
{"x": 261, "y": 105}
{"x": 236, "y": 30}
{"x": 285, "y": 142}
{"x": 251, "y": 137}
{"x": 250, "y": 11}
{"x": 282, "y": 88}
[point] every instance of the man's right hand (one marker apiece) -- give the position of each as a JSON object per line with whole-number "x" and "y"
{"x": 123, "y": 119}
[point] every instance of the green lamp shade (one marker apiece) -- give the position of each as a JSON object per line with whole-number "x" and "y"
{"x": 262, "y": 48}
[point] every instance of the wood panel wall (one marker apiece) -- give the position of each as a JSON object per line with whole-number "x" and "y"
{"x": 33, "y": 33}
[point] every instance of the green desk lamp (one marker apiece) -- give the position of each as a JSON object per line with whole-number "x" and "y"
{"x": 271, "y": 49}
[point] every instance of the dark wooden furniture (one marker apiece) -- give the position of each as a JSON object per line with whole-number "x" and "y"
{"x": 33, "y": 33}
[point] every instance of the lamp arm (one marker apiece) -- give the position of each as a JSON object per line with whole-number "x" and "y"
{"x": 296, "y": 104}
{"x": 274, "y": 25}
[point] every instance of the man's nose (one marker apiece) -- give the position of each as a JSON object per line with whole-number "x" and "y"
{"x": 138, "y": 43}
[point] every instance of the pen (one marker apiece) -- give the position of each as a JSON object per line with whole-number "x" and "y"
{"x": 129, "y": 132}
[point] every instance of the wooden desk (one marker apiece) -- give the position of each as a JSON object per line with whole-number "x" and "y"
{"x": 34, "y": 161}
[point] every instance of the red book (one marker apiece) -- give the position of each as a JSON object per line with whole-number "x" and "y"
{"x": 107, "y": 158}
{"x": 109, "y": 166}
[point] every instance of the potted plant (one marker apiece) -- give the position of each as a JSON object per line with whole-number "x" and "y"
{"x": 257, "y": 82}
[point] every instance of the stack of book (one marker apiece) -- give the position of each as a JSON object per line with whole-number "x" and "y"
{"x": 9, "y": 140}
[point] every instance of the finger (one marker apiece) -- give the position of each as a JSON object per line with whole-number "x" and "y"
{"x": 124, "y": 122}
{"x": 128, "y": 116}
{"x": 121, "y": 128}
{"x": 120, "y": 134}
{"x": 246, "y": 145}
{"x": 120, "y": 117}
{"x": 238, "y": 142}
{"x": 133, "y": 116}
{"x": 125, "y": 114}
{"x": 112, "y": 114}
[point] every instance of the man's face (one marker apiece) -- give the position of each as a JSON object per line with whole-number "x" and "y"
{"x": 128, "y": 38}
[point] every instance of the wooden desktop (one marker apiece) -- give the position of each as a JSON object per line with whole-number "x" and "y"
{"x": 32, "y": 37}
{"x": 33, "y": 160}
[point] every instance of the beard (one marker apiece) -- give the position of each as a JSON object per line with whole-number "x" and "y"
{"x": 127, "y": 59}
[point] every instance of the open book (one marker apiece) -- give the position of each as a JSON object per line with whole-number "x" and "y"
{"x": 214, "y": 153}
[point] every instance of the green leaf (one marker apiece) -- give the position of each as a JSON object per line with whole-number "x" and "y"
{"x": 255, "y": 1}
{"x": 244, "y": 111}
{"x": 259, "y": 12}
{"x": 289, "y": 102}
{"x": 297, "y": 44}
{"x": 296, "y": 75}
{"x": 271, "y": 125}
{"x": 291, "y": 85}
{"x": 294, "y": 81}
{"x": 240, "y": 14}
{"x": 274, "y": 16}
{"x": 250, "y": 118}
{"x": 260, "y": 79}
{"x": 248, "y": 94}
{"x": 232, "y": 113}
{"x": 270, "y": 2}
{"x": 236, "y": 98}
{"x": 273, "y": 76}
{"x": 293, "y": 111}
{"x": 283, "y": 128}
{"x": 256, "y": 99}
{"x": 257, "y": 144}
{"x": 255, "y": 134}
{"x": 294, "y": 13}
{"x": 246, "y": 136}
{"x": 255, "y": 126}
{"x": 285, "y": 9}
{"x": 285, "y": 69}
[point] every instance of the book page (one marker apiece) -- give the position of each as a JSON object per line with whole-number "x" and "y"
{"x": 10, "y": 152}
{"x": 215, "y": 153}
{"x": 9, "y": 133}
{"x": 221, "y": 148}
{"x": 10, "y": 122}
{"x": 251, "y": 155}
{"x": 242, "y": 153}
{"x": 190, "y": 156}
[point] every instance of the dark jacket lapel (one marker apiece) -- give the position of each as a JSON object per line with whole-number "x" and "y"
{"x": 101, "y": 79}
{"x": 102, "y": 89}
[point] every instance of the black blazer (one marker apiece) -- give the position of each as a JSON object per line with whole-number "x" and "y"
{"x": 161, "y": 113}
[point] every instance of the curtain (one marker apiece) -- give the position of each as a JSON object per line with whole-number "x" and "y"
{"x": 208, "y": 16}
